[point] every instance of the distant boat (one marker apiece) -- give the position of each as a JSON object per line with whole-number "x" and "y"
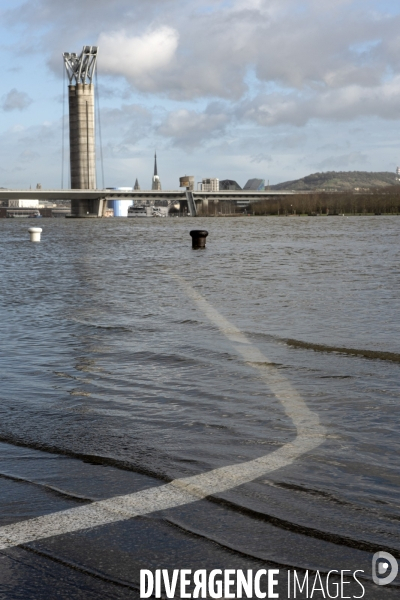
{"x": 23, "y": 214}
{"x": 159, "y": 209}
{"x": 139, "y": 211}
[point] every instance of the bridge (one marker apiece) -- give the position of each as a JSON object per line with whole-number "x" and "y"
{"x": 93, "y": 203}
{"x": 86, "y": 200}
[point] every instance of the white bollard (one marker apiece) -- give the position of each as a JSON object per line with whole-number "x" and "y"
{"x": 35, "y": 232}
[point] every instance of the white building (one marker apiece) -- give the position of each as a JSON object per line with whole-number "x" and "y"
{"x": 398, "y": 173}
{"x": 23, "y": 203}
{"x": 209, "y": 185}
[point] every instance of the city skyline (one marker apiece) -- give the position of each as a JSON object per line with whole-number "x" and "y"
{"x": 226, "y": 89}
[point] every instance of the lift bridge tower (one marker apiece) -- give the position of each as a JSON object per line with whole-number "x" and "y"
{"x": 80, "y": 70}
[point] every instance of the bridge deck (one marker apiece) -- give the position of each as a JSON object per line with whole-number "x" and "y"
{"x": 135, "y": 194}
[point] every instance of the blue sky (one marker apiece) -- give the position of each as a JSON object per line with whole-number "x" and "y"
{"x": 230, "y": 89}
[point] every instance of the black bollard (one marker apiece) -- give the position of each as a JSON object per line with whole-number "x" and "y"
{"x": 199, "y": 238}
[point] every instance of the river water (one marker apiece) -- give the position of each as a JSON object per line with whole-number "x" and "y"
{"x": 114, "y": 356}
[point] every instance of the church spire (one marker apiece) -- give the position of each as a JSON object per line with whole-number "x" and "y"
{"x": 155, "y": 183}
{"x": 155, "y": 163}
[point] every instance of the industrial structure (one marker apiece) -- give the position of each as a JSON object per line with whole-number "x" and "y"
{"x": 187, "y": 181}
{"x": 119, "y": 205}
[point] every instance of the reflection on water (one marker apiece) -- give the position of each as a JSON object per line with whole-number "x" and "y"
{"x": 104, "y": 354}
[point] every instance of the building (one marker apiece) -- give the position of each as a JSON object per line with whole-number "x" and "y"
{"x": 229, "y": 184}
{"x": 256, "y": 185}
{"x": 398, "y": 174}
{"x": 22, "y": 203}
{"x": 155, "y": 182}
{"x": 136, "y": 186}
{"x": 209, "y": 185}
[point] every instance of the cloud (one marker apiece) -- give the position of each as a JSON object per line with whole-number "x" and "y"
{"x": 289, "y": 141}
{"x": 130, "y": 123}
{"x": 138, "y": 58}
{"x": 344, "y": 161}
{"x": 15, "y": 100}
{"x": 190, "y": 128}
{"x": 261, "y": 157}
{"x": 107, "y": 91}
{"x": 246, "y": 78}
{"x": 197, "y": 49}
{"x": 28, "y": 156}
{"x": 46, "y": 133}
{"x": 347, "y": 103}
{"x": 31, "y": 154}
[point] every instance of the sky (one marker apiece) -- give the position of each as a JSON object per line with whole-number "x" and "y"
{"x": 234, "y": 89}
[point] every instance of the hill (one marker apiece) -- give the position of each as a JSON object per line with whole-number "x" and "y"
{"x": 338, "y": 181}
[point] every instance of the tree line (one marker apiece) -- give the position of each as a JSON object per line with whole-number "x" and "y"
{"x": 375, "y": 201}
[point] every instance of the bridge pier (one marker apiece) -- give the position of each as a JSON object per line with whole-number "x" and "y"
{"x": 88, "y": 208}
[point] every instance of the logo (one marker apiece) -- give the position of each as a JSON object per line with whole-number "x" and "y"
{"x": 384, "y": 563}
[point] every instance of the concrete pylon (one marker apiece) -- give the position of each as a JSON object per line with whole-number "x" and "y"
{"x": 80, "y": 70}
{"x": 82, "y": 136}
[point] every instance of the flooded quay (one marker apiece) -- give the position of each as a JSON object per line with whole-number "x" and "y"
{"x": 229, "y": 408}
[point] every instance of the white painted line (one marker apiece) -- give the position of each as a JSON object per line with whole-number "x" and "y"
{"x": 310, "y": 434}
